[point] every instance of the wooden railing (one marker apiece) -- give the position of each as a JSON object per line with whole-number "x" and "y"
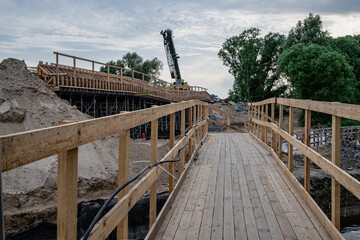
{"x": 260, "y": 125}
{"x": 126, "y": 80}
{"x": 24, "y": 148}
{"x": 321, "y": 136}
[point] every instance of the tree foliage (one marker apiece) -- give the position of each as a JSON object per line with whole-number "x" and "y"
{"x": 135, "y": 62}
{"x": 309, "y": 31}
{"x": 252, "y": 61}
{"x": 317, "y": 73}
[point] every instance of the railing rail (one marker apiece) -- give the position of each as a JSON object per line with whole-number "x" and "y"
{"x": 23, "y": 148}
{"x": 260, "y": 125}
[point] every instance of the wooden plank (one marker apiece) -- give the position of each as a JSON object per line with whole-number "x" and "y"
{"x": 261, "y": 223}
{"x": 251, "y": 228}
{"x": 171, "y": 165}
{"x": 239, "y": 220}
{"x": 281, "y": 125}
{"x": 307, "y": 143}
{"x": 273, "y": 136}
{"x": 281, "y": 206}
{"x": 175, "y": 219}
{"x": 182, "y": 154}
{"x": 206, "y": 223}
{"x": 291, "y": 132}
{"x": 218, "y": 217}
{"x": 335, "y": 186}
{"x": 153, "y": 159}
{"x": 67, "y": 194}
{"x": 123, "y": 177}
{"x": 23, "y": 148}
{"x": 229, "y": 225}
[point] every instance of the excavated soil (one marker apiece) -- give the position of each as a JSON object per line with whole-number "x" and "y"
{"x": 30, "y": 192}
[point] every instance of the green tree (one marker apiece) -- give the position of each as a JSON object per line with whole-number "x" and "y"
{"x": 270, "y": 52}
{"x": 135, "y": 62}
{"x": 309, "y": 31}
{"x": 252, "y": 61}
{"x": 315, "y": 72}
{"x": 349, "y": 47}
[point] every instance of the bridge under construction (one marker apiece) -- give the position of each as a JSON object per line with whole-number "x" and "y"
{"x": 232, "y": 185}
{"x": 103, "y": 94}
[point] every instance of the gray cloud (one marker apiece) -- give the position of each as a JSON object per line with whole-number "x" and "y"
{"x": 106, "y": 30}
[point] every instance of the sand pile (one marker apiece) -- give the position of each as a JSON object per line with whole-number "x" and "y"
{"x": 26, "y": 104}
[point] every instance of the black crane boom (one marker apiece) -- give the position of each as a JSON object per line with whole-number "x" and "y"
{"x": 172, "y": 57}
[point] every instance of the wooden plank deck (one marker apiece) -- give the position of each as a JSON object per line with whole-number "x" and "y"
{"x": 235, "y": 190}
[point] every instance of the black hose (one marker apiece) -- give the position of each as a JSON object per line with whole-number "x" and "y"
{"x": 102, "y": 209}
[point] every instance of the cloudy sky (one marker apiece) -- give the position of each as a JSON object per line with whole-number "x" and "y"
{"x": 106, "y": 30}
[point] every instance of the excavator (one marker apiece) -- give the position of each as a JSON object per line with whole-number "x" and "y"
{"x": 172, "y": 59}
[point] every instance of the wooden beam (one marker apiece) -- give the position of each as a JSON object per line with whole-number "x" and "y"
{"x": 190, "y": 125}
{"x": 307, "y": 143}
{"x": 273, "y": 136}
{"x": 281, "y": 125}
{"x": 343, "y": 110}
{"x": 335, "y": 186}
{"x": 266, "y": 119}
{"x": 67, "y": 194}
{"x": 153, "y": 159}
{"x": 182, "y": 154}
{"x": 123, "y": 177}
{"x": 171, "y": 165}
{"x": 20, "y": 149}
{"x": 291, "y": 132}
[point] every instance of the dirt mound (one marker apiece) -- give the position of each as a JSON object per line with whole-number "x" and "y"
{"x": 26, "y": 104}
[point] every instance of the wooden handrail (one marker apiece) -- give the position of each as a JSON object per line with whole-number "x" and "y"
{"x": 339, "y": 176}
{"x": 27, "y": 147}
{"x": 152, "y": 78}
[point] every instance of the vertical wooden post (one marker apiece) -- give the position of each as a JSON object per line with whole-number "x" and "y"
{"x": 73, "y": 83}
{"x": 291, "y": 132}
{"x": 335, "y": 186}
{"x": 67, "y": 194}
{"x": 171, "y": 165}
{"x": 198, "y": 120}
{"x": 123, "y": 177}
{"x": 153, "y": 159}
{"x": 228, "y": 123}
{"x": 273, "y": 136}
{"x": 207, "y": 121}
{"x": 307, "y": 143}
{"x": 251, "y": 116}
{"x": 182, "y": 153}
{"x": 266, "y": 120}
{"x": 57, "y": 69}
{"x": 281, "y": 125}
{"x": 190, "y": 126}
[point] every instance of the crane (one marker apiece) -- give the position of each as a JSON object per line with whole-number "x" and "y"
{"x": 172, "y": 59}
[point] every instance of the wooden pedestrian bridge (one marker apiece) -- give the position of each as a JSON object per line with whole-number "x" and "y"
{"x": 233, "y": 185}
